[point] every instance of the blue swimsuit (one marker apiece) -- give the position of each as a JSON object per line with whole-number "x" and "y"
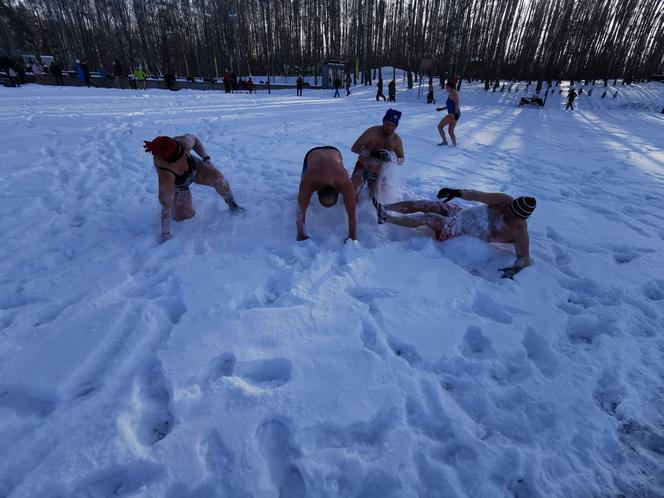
{"x": 450, "y": 108}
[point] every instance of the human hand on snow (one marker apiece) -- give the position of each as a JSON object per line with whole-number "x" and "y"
{"x": 449, "y": 194}
{"x": 509, "y": 271}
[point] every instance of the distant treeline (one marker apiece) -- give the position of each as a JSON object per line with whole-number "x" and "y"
{"x": 480, "y": 39}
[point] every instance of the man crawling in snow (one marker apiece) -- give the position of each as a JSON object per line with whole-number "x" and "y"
{"x": 177, "y": 169}
{"x": 323, "y": 172}
{"x": 502, "y": 219}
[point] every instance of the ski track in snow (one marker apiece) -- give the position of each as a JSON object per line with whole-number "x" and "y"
{"x": 233, "y": 361}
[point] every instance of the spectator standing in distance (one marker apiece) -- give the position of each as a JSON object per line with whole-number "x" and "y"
{"x": 299, "y": 84}
{"x": 141, "y": 77}
{"x": 132, "y": 81}
{"x": 392, "y": 91}
{"x": 430, "y": 97}
{"x": 79, "y": 71}
{"x": 56, "y": 72}
{"x": 250, "y": 85}
{"x": 13, "y": 76}
{"x": 379, "y": 92}
{"x": 227, "y": 81}
{"x": 86, "y": 74}
{"x": 169, "y": 79}
{"x": 348, "y": 82}
{"x": 337, "y": 85}
{"x": 570, "y": 99}
{"x": 38, "y": 71}
{"x": 117, "y": 73}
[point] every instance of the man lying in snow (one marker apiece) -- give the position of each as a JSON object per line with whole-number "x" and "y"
{"x": 503, "y": 219}
{"x": 177, "y": 170}
{"x": 323, "y": 172}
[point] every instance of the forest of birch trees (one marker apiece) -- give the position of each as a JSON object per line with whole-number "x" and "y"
{"x": 479, "y": 39}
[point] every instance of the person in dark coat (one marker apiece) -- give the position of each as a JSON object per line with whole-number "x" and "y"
{"x": 56, "y": 71}
{"x": 117, "y": 73}
{"x": 379, "y": 92}
{"x": 348, "y": 82}
{"x": 86, "y": 74}
{"x": 227, "y": 81}
{"x": 337, "y": 85}
{"x": 570, "y": 99}
{"x": 392, "y": 91}
{"x": 299, "y": 84}
{"x": 169, "y": 78}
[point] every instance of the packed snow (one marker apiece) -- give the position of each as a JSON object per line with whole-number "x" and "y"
{"x": 234, "y": 361}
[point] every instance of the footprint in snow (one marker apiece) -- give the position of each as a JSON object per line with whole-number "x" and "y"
{"x": 280, "y": 452}
{"x": 270, "y": 372}
{"x": 24, "y": 401}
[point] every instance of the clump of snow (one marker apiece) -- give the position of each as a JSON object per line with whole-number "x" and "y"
{"x": 234, "y": 361}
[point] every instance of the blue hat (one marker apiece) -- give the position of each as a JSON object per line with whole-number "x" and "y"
{"x": 392, "y": 115}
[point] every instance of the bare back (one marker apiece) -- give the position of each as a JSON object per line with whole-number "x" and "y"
{"x": 324, "y": 166}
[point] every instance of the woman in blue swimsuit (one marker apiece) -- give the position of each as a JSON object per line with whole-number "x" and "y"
{"x": 453, "y": 112}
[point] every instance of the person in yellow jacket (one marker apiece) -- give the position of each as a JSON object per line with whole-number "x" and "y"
{"x": 141, "y": 77}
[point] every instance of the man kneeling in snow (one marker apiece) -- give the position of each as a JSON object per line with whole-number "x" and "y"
{"x": 503, "y": 219}
{"x": 177, "y": 170}
{"x": 323, "y": 172}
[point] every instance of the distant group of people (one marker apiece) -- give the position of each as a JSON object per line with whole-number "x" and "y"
{"x": 502, "y": 218}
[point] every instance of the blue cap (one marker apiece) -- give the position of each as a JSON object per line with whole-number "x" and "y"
{"x": 392, "y": 115}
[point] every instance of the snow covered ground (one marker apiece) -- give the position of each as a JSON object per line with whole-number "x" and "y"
{"x": 234, "y": 361}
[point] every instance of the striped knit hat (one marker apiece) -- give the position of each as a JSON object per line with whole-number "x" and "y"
{"x": 522, "y": 207}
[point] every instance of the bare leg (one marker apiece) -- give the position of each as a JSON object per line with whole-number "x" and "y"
{"x": 212, "y": 177}
{"x": 441, "y": 128}
{"x": 450, "y": 129}
{"x": 423, "y": 206}
{"x": 431, "y": 220}
{"x": 182, "y": 206}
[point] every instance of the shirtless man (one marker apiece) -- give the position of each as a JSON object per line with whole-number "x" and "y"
{"x": 323, "y": 172}
{"x": 503, "y": 219}
{"x": 374, "y": 147}
{"x": 177, "y": 169}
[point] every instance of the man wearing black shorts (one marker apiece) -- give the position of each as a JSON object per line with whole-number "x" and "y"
{"x": 323, "y": 172}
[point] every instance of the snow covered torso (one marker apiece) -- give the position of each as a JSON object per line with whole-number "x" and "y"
{"x": 472, "y": 221}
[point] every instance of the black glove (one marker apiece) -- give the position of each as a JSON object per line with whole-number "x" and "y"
{"x": 381, "y": 154}
{"x": 510, "y": 271}
{"x": 440, "y": 108}
{"x": 449, "y": 194}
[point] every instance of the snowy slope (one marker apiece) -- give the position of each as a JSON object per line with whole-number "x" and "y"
{"x": 233, "y": 361}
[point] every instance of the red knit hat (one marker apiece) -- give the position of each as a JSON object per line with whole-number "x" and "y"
{"x": 162, "y": 147}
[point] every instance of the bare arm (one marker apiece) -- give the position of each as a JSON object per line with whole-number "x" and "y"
{"x": 166, "y": 196}
{"x": 191, "y": 142}
{"x": 348, "y": 191}
{"x": 521, "y": 246}
{"x": 399, "y": 151}
{"x": 486, "y": 197}
{"x": 522, "y": 250}
{"x": 303, "y": 199}
{"x": 361, "y": 143}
